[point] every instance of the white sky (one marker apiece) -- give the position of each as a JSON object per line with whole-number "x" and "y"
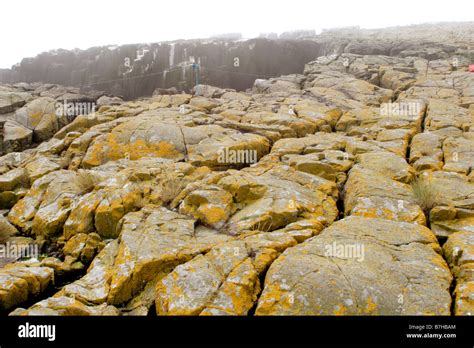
{"x": 29, "y": 27}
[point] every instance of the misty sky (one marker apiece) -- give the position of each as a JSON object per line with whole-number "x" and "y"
{"x": 29, "y": 27}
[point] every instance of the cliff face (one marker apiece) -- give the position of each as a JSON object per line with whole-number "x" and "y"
{"x": 137, "y": 70}
{"x": 119, "y": 70}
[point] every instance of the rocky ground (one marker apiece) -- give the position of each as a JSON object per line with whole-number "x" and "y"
{"x": 136, "y": 211}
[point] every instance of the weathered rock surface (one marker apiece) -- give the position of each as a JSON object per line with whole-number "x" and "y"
{"x": 47, "y": 204}
{"x": 152, "y": 242}
{"x": 459, "y": 252}
{"x": 33, "y": 113}
{"x": 94, "y": 287}
{"x": 19, "y": 283}
{"x": 326, "y": 191}
{"x": 66, "y": 306}
{"x": 7, "y": 230}
{"x": 400, "y": 271}
{"x": 11, "y": 98}
{"x": 225, "y": 281}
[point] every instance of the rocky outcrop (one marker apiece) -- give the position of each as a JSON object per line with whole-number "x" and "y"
{"x": 33, "y": 113}
{"x": 458, "y": 251}
{"x": 230, "y": 62}
{"x": 393, "y": 269}
{"x": 223, "y": 62}
{"x": 225, "y": 281}
{"x": 19, "y": 283}
{"x": 345, "y": 189}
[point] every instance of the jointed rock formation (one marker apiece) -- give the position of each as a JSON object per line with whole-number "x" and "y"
{"x": 345, "y": 190}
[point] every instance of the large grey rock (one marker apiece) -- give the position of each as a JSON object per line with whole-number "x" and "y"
{"x": 11, "y": 99}
{"x": 360, "y": 266}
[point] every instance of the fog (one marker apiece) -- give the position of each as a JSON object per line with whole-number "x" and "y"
{"x": 29, "y": 27}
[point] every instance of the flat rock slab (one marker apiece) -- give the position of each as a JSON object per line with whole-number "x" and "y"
{"x": 153, "y": 242}
{"x": 19, "y": 283}
{"x": 459, "y": 252}
{"x": 65, "y": 306}
{"x": 225, "y": 281}
{"x": 11, "y": 99}
{"x": 360, "y": 266}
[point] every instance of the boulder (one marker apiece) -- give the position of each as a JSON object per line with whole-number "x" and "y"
{"x": 19, "y": 283}
{"x": 459, "y": 154}
{"x": 374, "y": 195}
{"x": 152, "y": 243}
{"x": 47, "y": 204}
{"x": 41, "y": 116}
{"x": 93, "y": 288}
{"x": 7, "y": 230}
{"x": 459, "y": 253}
{"x": 16, "y": 137}
{"x": 283, "y": 85}
{"x": 11, "y": 99}
{"x": 65, "y": 306}
{"x": 105, "y": 100}
{"x": 360, "y": 266}
{"x": 145, "y": 136}
{"x": 83, "y": 247}
{"x": 337, "y": 87}
{"x": 269, "y": 202}
{"x": 13, "y": 186}
{"x": 208, "y": 91}
{"x": 225, "y": 281}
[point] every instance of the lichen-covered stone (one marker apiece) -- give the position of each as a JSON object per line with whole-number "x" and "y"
{"x": 153, "y": 242}
{"x": 395, "y": 268}
{"x": 19, "y": 283}
{"x": 459, "y": 252}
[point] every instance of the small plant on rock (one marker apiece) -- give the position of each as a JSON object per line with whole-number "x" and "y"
{"x": 426, "y": 195}
{"x": 171, "y": 186}
{"x": 85, "y": 181}
{"x": 262, "y": 226}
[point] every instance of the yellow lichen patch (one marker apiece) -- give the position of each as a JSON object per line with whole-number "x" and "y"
{"x": 131, "y": 199}
{"x": 367, "y": 213}
{"x": 238, "y": 293}
{"x": 140, "y": 148}
{"x": 162, "y": 303}
{"x": 464, "y": 304}
{"x": 81, "y": 219}
{"x": 371, "y": 306}
{"x": 265, "y": 258}
{"x": 211, "y": 205}
{"x": 386, "y": 213}
{"x": 35, "y": 119}
{"x": 107, "y": 215}
{"x": 274, "y": 297}
{"x": 340, "y": 310}
{"x": 243, "y": 297}
{"x": 110, "y": 148}
{"x": 211, "y": 214}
